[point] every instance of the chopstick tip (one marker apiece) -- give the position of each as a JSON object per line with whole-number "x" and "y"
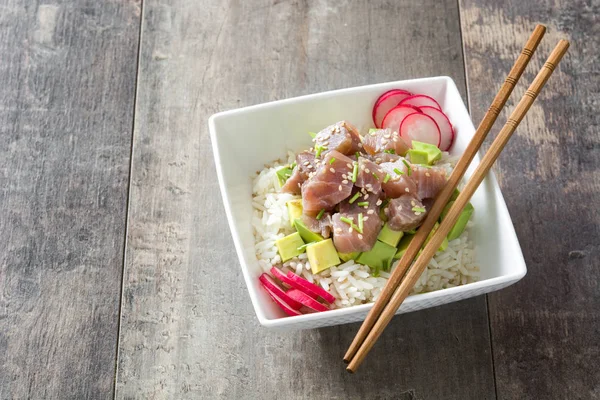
{"x": 350, "y": 371}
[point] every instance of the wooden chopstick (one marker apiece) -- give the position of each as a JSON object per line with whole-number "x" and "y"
{"x": 463, "y": 198}
{"x": 444, "y": 196}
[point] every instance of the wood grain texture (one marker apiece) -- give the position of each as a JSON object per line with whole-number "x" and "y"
{"x": 66, "y": 109}
{"x": 546, "y": 329}
{"x": 188, "y": 329}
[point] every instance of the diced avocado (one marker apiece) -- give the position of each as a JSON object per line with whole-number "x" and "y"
{"x": 379, "y": 257}
{"x": 455, "y": 194}
{"x": 306, "y": 234}
{"x": 403, "y": 245}
{"x": 418, "y": 157}
{"x": 461, "y": 222}
{"x": 444, "y": 244}
{"x": 294, "y": 210}
{"x": 433, "y": 153}
{"x": 389, "y": 236}
{"x": 348, "y": 256}
{"x": 288, "y": 246}
{"x": 283, "y": 175}
{"x": 322, "y": 255}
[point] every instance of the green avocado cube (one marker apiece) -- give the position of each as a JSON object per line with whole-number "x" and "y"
{"x": 461, "y": 222}
{"x": 455, "y": 194}
{"x": 389, "y": 236}
{"x": 307, "y": 235}
{"x": 322, "y": 255}
{"x": 403, "y": 245}
{"x": 418, "y": 157}
{"x": 379, "y": 257}
{"x": 294, "y": 210}
{"x": 432, "y": 151}
{"x": 348, "y": 256}
{"x": 290, "y": 246}
{"x": 444, "y": 244}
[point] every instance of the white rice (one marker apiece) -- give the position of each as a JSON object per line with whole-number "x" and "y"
{"x": 350, "y": 283}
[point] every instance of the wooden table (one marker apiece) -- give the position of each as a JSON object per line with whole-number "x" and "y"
{"x": 118, "y": 275}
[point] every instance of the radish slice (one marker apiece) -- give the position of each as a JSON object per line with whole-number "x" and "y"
{"x": 396, "y": 115}
{"x": 420, "y": 100}
{"x": 281, "y": 298}
{"x": 442, "y": 121}
{"x": 279, "y": 274}
{"x": 309, "y": 288}
{"x": 305, "y": 299}
{"x": 386, "y": 102}
{"x": 420, "y": 127}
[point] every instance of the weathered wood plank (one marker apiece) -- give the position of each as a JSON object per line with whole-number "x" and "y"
{"x": 188, "y": 329}
{"x": 545, "y": 330}
{"x": 66, "y": 109}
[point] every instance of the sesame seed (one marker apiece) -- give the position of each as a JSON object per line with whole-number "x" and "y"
{"x": 360, "y": 236}
{"x": 362, "y": 167}
{"x": 427, "y": 174}
{"x": 379, "y": 202}
{"x": 306, "y": 163}
{"x": 407, "y": 190}
{"x": 384, "y": 142}
{"x": 366, "y": 196}
{"x": 345, "y": 181}
{"x": 325, "y": 143}
{"x": 340, "y": 188}
{"x": 366, "y": 218}
{"x": 395, "y": 139}
{"x": 399, "y": 208}
{"x": 299, "y": 184}
{"x": 332, "y": 170}
{"x": 360, "y": 145}
{"x": 350, "y": 230}
{"x": 370, "y": 212}
{"x": 387, "y": 135}
{"x": 349, "y": 165}
{"x": 338, "y": 230}
{"x": 417, "y": 213}
{"x": 367, "y": 170}
{"x": 378, "y": 159}
{"x": 412, "y": 203}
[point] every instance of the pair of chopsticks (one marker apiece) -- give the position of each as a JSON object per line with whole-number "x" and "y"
{"x": 400, "y": 284}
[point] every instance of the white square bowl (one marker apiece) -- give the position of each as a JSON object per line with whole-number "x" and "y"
{"x": 246, "y": 139}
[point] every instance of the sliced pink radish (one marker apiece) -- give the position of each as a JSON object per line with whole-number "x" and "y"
{"x": 394, "y": 117}
{"x": 278, "y": 294}
{"x": 442, "y": 121}
{"x": 309, "y": 288}
{"x": 420, "y": 100}
{"x": 279, "y": 274}
{"x": 386, "y": 102}
{"x": 420, "y": 127}
{"x": 305, "y": 299}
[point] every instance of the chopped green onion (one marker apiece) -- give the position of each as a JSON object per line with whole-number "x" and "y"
{"x": 362, "y": 203}
{"x": 353, "y": 199}
{"x": 375, "y": 272}
{"x": 373, "y": 130}
{"x": 387, "y": 178}
{"x": 390, "y": 151}
{"x": 349, "y": 222}
{"x": 357, "y": 154}
{"x": 418, "y": 209}
{"x": 332, "y": 160}
{"x": 360, "y": 222}
{"x": 304, "y": 246}
{"x": 346, "y": 220}
{"x": 283, "y": 175}
{"x": 354, "y": 172}
{"x": 312, "y": 134}
{"x": 375, "y": 175}
{"x": 407, "y": 166}
{"x": 293, "y": 165}
{"x": 319, "y": 149}
{"x": 396, "y": 170}
{"x": 385, "y": 203}
{"x": 320, "y": 214}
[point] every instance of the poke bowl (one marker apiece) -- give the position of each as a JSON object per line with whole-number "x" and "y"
{"x": 314, "y": 257}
